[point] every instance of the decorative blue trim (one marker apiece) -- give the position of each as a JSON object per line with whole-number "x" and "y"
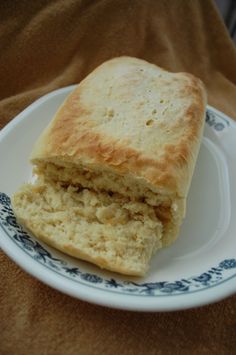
{"x": 216, "y": 121}
{"x": 223, "y": 272}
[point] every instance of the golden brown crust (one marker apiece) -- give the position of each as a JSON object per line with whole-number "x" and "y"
{"x": 83, "y": 131}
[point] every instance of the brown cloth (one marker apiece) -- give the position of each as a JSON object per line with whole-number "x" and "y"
{"x": 45, "y": 45}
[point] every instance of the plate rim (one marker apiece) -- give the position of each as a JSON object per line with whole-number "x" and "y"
{"x": 117, "y": 301}
{"x": 83, "y": 295}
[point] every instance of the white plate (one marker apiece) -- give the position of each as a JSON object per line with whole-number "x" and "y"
{"x": 199, "y": 268}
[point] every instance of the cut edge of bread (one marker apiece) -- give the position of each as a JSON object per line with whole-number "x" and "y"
{"x": 114, "y": 233}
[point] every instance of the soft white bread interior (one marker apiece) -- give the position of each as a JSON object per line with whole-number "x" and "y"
{"x": 115, "y": 165}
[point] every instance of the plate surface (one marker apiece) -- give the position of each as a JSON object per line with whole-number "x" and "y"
{"x": 199, "y": 268}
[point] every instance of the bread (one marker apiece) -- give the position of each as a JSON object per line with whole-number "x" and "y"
{"x": 115, "y": 164}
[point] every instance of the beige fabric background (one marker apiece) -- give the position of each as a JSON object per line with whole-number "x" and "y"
{"x": 45, "y": 45}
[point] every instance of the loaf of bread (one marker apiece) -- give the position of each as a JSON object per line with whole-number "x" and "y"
{"x": 115, "y": 164}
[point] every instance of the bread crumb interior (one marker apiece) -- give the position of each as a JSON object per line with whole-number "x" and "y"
{"x": 106, "y": 227}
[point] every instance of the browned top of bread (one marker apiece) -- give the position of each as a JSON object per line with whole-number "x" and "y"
{"x": 131, "y": 117}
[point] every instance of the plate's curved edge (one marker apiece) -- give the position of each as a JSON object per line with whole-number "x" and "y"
{"x": 117, "y": 301}
{"x": 207, "y": 280}
{"x": 213, "y": 121}
{"x": 151, "y": 307}
{"x": 100, "y": 298}
{"x": 222, "y": 114}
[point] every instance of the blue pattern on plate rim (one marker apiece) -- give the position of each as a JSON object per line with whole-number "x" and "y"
{"x": 212, "y": 277}
{"x": 216, "y": 121}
